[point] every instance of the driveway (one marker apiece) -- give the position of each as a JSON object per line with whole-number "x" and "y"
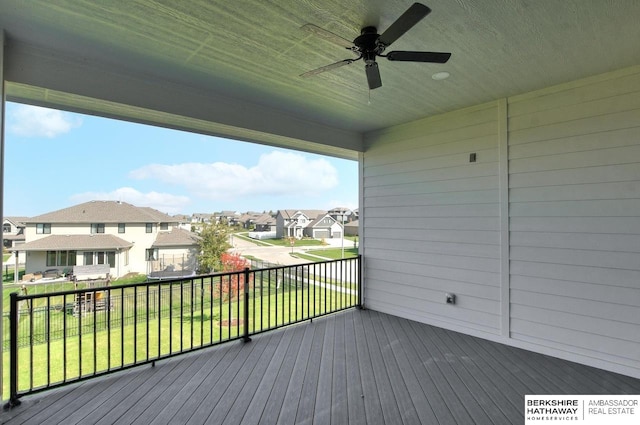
{"x": 278, "y": 254}
{"x": 272, "y": 254}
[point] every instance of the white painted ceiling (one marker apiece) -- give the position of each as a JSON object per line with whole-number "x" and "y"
{"x": 253, "y": 51}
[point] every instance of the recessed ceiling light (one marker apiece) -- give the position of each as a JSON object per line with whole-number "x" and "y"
{"x": 440, "y": 75}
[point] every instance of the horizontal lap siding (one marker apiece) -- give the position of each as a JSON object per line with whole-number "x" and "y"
{"x": 432, "y": 220}
{"x": 574, "y": 193}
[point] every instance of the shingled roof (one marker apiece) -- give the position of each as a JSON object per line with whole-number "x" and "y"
{"x": 176, "y": 237}
{"x": 76, "y": 242}
{"x": 311, "y": 214}
{"x": 103, "y": 212}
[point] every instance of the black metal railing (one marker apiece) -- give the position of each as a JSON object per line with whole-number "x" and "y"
{"x": 63, "y": 337}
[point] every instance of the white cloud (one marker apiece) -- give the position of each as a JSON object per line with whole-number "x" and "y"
{"x": 275, "y": 174}
{"x": 164, "y": 202}
{"x": 34, "y": 121}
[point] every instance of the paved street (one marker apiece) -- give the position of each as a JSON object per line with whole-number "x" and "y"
{"x": 278, "y": 254}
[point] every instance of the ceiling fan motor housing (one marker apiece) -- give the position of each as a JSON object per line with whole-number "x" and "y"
{"x": 367, "y": 44}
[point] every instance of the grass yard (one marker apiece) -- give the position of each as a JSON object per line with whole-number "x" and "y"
{"x": 329, "y": 254}
{"x": 298, "y": 242}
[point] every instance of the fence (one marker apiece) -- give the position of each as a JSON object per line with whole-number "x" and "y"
{"x": 68, "y": 336}
{"x": 172, "y": 266}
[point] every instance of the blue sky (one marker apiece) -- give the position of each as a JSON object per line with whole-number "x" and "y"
{"x": 56, "y": 159}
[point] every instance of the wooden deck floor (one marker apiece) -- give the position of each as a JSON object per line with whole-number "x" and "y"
{"x": 355, "y": 367}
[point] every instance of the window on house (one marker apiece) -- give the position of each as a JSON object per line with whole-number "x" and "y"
{"x": 97, "y": 228}
{"x": 6, "y": 228}
{"x": 121, "y": 227}
{"x": 151, "y": 254}
{"x": 111, "y": 258}
{"x": 100, "y": 257}
{"x": 51, "y": 258}
{"x": 164, "y": 226}
{"x": 43, "y": 228}
{"x": 61, "y": 258}
{"x": 149, "y": 228}
{"x": 88, "y": 258}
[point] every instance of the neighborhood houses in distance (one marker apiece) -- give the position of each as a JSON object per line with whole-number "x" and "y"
{"x": 113, "y": 238}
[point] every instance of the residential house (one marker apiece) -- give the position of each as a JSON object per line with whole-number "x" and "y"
{"x": 351, "y": 228}
{"x": 248, "y": 219}
{"x": 512, "y": 184}
{"x": 232, "y": 218}
{"x": 198, "y": 218}
{"x": 175, "y": 253}
{"x": 184, "y": 221}
{"x": 310, "y": 223}
{"x": 265, "y": 223}
{"x": 341, "y": 214}
{"x": 126, "y": 237}
{"x": 13, "y": 234}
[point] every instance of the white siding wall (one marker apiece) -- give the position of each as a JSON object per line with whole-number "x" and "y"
{"x": 574, "y": 161}
{"x": 432, "y": 220}
{"x": 568, "y": 281}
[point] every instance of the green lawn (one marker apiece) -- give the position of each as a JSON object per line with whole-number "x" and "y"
{"x": 298, "y": 242}
{"x": 330, "y": 253}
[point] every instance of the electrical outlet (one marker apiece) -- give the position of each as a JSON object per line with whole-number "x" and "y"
{"x": 451, "y": 298}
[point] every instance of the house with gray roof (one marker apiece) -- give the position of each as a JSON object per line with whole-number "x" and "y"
{"x": 128, "y": 238}
{"x": 13, "y": 235}
{"x": 311, "y": 223}
{"x": 13, "y": 231}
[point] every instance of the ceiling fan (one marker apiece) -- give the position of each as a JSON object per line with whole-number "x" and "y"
{"x": 369, "y": 45}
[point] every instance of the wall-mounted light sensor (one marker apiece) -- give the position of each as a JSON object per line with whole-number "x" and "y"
{"x": 451, "y": 298}
{"x": 472, "y": 157}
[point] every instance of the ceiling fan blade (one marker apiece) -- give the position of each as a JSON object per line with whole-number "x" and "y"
{"x": 373, "y": 75}
{"x": 404, "y": 23}
{"x": 329, "y": 36}
{"x": 434, "y": 57}
{"x": 328, "y": 67}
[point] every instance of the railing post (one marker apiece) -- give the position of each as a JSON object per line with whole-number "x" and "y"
{"x": 246, "y": 338}
{"x": 13, "y": 351}
{"x": 359, "y": 280}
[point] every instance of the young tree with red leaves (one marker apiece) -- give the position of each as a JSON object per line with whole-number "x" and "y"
{"x": 232, "y": 286}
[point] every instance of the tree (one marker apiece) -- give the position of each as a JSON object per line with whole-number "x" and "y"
{"x": 232, "y": 286}
{"x": 213, "y": 243}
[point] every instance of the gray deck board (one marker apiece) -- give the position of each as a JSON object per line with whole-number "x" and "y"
{"x": 400, "y": 389}
{"x": 355, "y": 367}
{"x": 321, "y": 414}
{"x": 281, "y": 386}
{"x": 354, "y": 381}
{"x": 339, "y": 407}
{"x": 408, "y": 375}
{"x": 370, "y": 396}
{"x": 387, "y": 398}
{"x": 446, "y": 361}
{"x": 263, "y": 389}
{"x": 430, "y": 380}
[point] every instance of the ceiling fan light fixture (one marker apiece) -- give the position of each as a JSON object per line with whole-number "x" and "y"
{"x": 441, "y": 75}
